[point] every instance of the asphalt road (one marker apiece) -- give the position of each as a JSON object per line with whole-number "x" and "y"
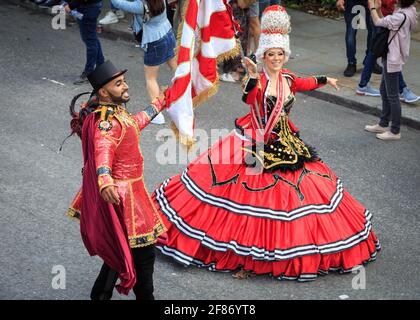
{"x": 37, "y": 184}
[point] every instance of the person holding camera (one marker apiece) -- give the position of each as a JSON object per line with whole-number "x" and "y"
{"x": 154, "y": 32}
{"x": 400, "y": 24}
{"x": 353, "y": 8}
{"x": 364, "y": 88}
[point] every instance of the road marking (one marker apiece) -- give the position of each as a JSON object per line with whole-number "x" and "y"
{"x": 53, "y": 81}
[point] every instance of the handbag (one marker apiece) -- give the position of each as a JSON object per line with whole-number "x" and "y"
{"x": 138, "y": 36}
{"x": 380, "y": 44}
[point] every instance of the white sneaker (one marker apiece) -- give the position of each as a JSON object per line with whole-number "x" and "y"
{"x": 227, "y": 77}
{"x": 159, "y": 119}
{"x": 120, "y": 14}
{"x": 109, "y": 18}
{"x": 376, "y": 128}
{"x": 388, "y": 135}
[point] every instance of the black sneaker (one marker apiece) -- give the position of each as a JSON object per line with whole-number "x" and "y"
{"x": 82, "y": 79}
{"x": 350, "y": 70}
{"x": 377, "y": 68}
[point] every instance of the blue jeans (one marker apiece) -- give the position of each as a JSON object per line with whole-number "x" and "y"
{"x": 352, "y": 32}
{"x": 265, "y": 3}
{"x": 87, "y": 26}
{"x": 367, "y": 73}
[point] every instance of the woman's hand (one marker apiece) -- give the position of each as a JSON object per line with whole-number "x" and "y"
{"x": 251, "y": 67}
{"x": 374, "y": 4}
{"x": 333, "y": 82}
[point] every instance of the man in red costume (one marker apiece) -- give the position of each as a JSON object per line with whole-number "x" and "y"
{"x": 118, "y": 220}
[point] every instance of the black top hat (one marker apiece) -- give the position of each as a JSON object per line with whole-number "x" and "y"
{"x": 104, "y": 74}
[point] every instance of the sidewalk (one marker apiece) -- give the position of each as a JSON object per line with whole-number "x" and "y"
{"x": 318, "y": 47}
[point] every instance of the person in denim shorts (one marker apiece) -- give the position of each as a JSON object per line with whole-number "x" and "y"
{"x": 158, "y": 40}
{"x": 254, "y": 23}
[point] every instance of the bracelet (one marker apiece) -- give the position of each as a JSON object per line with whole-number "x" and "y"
{"x": 372, "y": 9}
{"x": 103, "y": 170}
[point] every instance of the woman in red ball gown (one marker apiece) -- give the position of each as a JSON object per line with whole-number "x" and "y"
{"x": 260, "y": 200}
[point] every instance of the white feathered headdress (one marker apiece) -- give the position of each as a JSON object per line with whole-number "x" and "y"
{"x": 275, "y": 29}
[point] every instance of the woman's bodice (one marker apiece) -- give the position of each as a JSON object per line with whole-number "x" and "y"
{"x": 284, "y": 149}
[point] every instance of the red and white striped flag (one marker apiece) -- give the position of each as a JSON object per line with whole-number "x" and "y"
{"x": 205, "y": 37}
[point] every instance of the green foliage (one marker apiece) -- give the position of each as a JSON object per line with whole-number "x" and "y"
{"x": 327, "y": 2}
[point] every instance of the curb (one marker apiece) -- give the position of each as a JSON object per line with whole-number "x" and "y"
{"x": 358, "y": 106}
{"x": 114, "y": 34}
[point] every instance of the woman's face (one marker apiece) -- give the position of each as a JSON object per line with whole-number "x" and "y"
{"x": 274, "y": 59}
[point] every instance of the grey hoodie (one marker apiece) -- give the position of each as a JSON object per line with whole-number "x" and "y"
{"x": 399, "y": 48}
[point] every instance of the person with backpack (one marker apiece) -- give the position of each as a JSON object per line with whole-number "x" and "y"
{"x": 154, "y": 32}
{"x": 400, "y": 24}
{"x": 364, "y": 88}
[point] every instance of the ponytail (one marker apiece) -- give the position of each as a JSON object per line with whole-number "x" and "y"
{"x": 76, "y": 123}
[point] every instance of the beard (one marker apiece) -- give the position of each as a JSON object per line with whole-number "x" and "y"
{"x": 119, "y": 99}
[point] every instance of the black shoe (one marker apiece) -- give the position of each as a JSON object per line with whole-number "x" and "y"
{"x": 350, "y": 70}
{"x": 50, "y": 3}
{"x": 38, "y": 2}
{"x": 82, "y": 79}
{"x": 377, "y": 68}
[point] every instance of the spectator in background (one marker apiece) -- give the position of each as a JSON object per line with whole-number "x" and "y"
{"x": 266, "y": 3}
{"x": 170, "y": 10}
{"x": 232, "y": 69}
{"x": 177, "y": 18}
{"x": 364, "y": 88}
{"x": 350, "y": 14}
{"x": 397, "y": 56}
{"x": 112, "y": 16}
{"x": 91, "y": 10}
{"x": 254, "y": 23}
{"x": 158, "y": 40}
{"x": 254, "y": 20}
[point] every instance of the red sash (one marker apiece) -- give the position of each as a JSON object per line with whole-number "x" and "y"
{"x": 259, "y": 108}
